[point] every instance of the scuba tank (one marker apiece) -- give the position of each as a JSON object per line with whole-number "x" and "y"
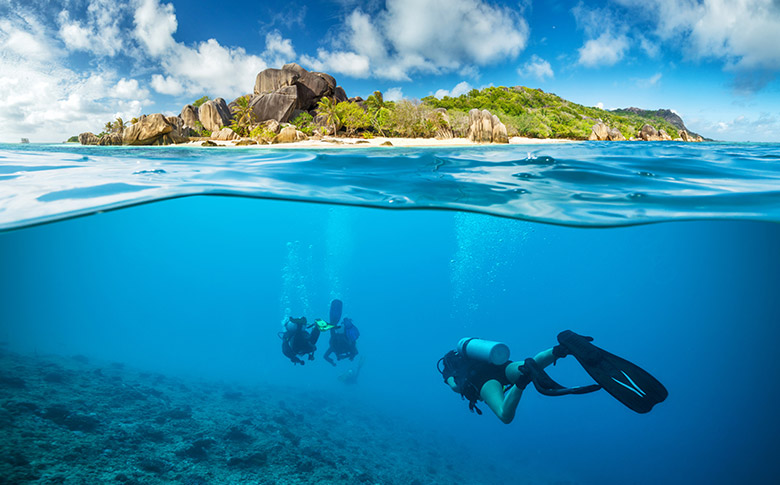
{"x": 495, "y": 353}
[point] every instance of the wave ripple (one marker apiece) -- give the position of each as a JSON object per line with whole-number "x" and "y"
{"x": 577, "y": 184}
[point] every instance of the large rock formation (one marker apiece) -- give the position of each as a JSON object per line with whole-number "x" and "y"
{"x": 684, "y": 135}
{"x": 289, "y": 134}
{"x": 270, "y": 80}
{"x": 648, "y": 133}
{"x": 615, "y": 135}
{"x": 599, "y": 132}
{"x": 88, "y": 139}
{"x": 225, "y": 134}
{"x": 148, "y": 130}
{"x": 277, "y": 105}
{"x": 109, "y": 139}
{"x": 189, "y": 114}
{"x": 486, "y": 128}
{"x": 442, "y": 121}
{"x": 214, "y": 114}
{"x": 279, "y": 93}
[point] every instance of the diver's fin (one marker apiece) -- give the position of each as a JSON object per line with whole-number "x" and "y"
{"x": 335, "y": 311}
{"x": 323, "y": 325}
{"x": 626, "y": 382}
{"x": 544, "y": 384}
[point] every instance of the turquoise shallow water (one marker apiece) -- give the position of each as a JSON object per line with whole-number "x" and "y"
{"x": 197, "y": 287}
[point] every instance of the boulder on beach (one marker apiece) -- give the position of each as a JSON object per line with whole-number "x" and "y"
{"x": 189, "y": 114}
{"x": 214, "y": 114}
{"x": 289, "y": 134}
{"x": 483, "y": 126}
{"x": 147, "y": 130}
{"x": 225, "y": 134}
{"x": 615, "y": 135}
{"x": 109, "y": 139}
{"x": 88, "y": 138}
{"x": 599, "y": 132}
{"x": 648, "y": 133}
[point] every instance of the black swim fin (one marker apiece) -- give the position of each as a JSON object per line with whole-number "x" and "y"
{"x": 335, "y": 312}
{"x": 626, "y": 382}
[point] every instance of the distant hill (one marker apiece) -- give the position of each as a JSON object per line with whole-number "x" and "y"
{"x": 536, "y": 114}
{"x": 666, "y": 114}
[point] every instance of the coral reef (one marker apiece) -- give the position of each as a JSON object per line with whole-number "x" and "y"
{"x": 70, "y": 420}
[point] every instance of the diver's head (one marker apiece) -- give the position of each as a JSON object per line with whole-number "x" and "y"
{"x": 347, "y": 322}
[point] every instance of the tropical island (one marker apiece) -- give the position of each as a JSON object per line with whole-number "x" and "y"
{"x": 293, "y": 105}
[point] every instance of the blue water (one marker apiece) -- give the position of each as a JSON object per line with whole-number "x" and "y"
{"x": 199, "y": 285}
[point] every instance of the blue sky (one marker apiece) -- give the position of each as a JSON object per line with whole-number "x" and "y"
{"x": 69, "y": 66}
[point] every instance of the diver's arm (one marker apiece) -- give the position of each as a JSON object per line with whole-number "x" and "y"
{"x": 453, "y": 386}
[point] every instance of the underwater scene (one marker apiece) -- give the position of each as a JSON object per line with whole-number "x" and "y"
{"x": 145, "y": 294}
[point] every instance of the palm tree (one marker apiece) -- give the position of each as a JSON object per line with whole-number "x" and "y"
{"x": 243, "y": 116}
{"x": 327, "y": 108}
{"x": 119, "y": 124}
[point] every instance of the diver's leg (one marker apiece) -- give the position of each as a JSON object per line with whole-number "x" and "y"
{"x": 503, "y": 405}
{"x": 513, "y": 372}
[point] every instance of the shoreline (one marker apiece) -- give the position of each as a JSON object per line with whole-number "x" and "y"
{"x": 377, "y": 142}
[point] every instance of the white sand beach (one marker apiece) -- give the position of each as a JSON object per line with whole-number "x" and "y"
{"x": 343, "y": 142}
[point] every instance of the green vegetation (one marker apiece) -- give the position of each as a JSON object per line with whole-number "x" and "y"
{"x": 352, "y": 116}
{"x": 304, "y": 122}
{"x": 73, "y": 139}
{"x": 261, "y": 131}
{"x": 327, "y": 109}
{"x": 201, "y": 130}
{"x": 198, "y": 102}
{"x": 243, "y": 117}
{"x": 536, "y": 114}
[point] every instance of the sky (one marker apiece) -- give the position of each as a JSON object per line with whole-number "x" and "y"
{"x": 70, "y": 66}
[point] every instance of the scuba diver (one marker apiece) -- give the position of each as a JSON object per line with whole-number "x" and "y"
{"x": 480, "y": 370}
{"x": 343, "y": 341}
{"x": 297, "y": 341}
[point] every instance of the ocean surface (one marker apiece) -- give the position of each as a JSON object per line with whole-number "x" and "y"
{"x": 144, "y": 335}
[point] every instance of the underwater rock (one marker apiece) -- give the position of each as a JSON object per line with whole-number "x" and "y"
{"x": 253, "y": 460}
{"x": 237, "y": 434}
{"x": 183, "y": 412}
{"x": 197, "y": 450}
{"x": 12, "y": 382}
{"x": 55, "y": 377}
{"x": 154, "y": 465}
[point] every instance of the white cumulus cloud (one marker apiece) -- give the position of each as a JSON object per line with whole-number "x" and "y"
{"x": 394, "y": 94}
{"x": 166, "y": 85}
{"x": 339, "y": 62}
{"x": 278, "y": 50}
{"x": 129, "y": 89}
{"x": 606, "y": 50}
{"x": 460, "y": 89}
{"x": 426, "y": 36}
{"x": 155, "y": 24}
{"x": 99, "y": 33}
{"x": 536, "y": 68}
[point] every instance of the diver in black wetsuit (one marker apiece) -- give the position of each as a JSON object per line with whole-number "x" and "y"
{"x": 480, "y": 370}
{"x": 297, "y": 341}
{"x": 343, "y": 341}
